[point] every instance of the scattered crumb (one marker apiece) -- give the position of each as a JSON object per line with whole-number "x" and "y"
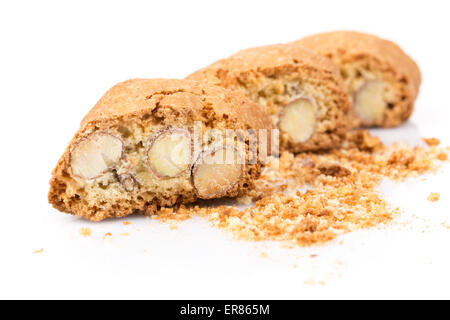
{"x": 180, "y": 214}
{"x": 433, "y": 196}
{"x": 445, "y": 225}
{"x": 313, "y": 256}
{"x": 431, "y": 141}
{"x": 333, "y": 169}
{"x": 312, "y": 282}
{"x": 442, "y": 156}
{"x": 362, "y": 140}
{"x": 38, "y": 251}
{"x": 311, "y": 198}
{"x": 264, "y": 255}
{"x": 125, "y": 234}
{"x": 125, "y": 223}
{"x": 85, "y": 232}
{"x": 173, "y": 227}
{"x": 107, "y": 236}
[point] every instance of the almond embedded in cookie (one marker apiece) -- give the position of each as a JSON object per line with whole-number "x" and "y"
{"x": 216, "y": 172}
{"x": 170, "y": 153}
{"x": 368, "y": 101}
{"x": 95, "y": 154}
{"x": 380, "y": 77}
{"x": 298, "y": 120}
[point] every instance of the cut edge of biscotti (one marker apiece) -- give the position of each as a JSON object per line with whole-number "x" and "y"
{"x": 381, "y": 79}
{"x": 302, "y": 91}
{"x": 152, "y": 143}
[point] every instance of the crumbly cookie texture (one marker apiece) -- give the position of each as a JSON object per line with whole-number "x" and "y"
{"x": 303, "y": 92}
{"x": 381, "y": 79}
{"x": 312, "y": 198}
{"x": 134, "y": 150}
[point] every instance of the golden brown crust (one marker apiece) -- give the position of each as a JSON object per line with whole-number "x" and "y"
{"x": 376, "y": 54}
{"x": 170, "y": 101}
{"x": 268, "y": 60}
{"x": 271, "y": 67}
{"x": 137, "y": 97}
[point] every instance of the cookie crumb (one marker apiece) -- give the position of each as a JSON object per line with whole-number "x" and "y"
{"x": 125, "y": 234}
{"x": 442, "y": 156}
{"x": 431, "y": 141}
{"x": 433, "y": 196}
{"x": 173, "y": 227}
{"x": 85, "y": 232}
{"x": 333, "y": 169}
{"x": 126, "y": 223}
{"x": 364, "y": 141}
{"x": 264, "y": 255}
{"x": 107, "y": 236}
{"x": 38, "y": 251}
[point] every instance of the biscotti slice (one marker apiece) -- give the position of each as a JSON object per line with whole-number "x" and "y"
{"x": 303, "y": 92}
{"x": 150, "y": 143}
{"x": 382, "y": 81}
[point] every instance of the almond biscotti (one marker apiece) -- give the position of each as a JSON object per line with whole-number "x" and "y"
{"x": 150, "y": 143}
{"x": 382, "y": 81}
{"x": 303, "y": 92}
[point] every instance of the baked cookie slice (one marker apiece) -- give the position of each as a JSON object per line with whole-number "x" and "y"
{"x": 150, "y": 143}
{"x": 382, "y": 81}
{"x": 303, "y": 92}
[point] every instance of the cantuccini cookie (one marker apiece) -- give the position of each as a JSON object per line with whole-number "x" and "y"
{"x": 303, "y": 92}
{"x": 382, "y": 80}
{"x": 150, "y": 143}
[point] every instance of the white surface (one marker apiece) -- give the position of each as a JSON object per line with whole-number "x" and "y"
{"x": 57, "y": 59}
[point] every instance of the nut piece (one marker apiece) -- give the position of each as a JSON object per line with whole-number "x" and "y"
{"x": 333, "y": 169}
{"x": 216, "y": 172}
{"x": 170, "y": 153}
{"x": 369, "y": 100}
{"x": 362, "y": 140}
{"x": 95, "y": 154}
{"x": 128, "y": 182}
{"x": 298, "y": 120}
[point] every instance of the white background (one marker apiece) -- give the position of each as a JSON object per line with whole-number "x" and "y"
{"x": 56, "y": 60}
